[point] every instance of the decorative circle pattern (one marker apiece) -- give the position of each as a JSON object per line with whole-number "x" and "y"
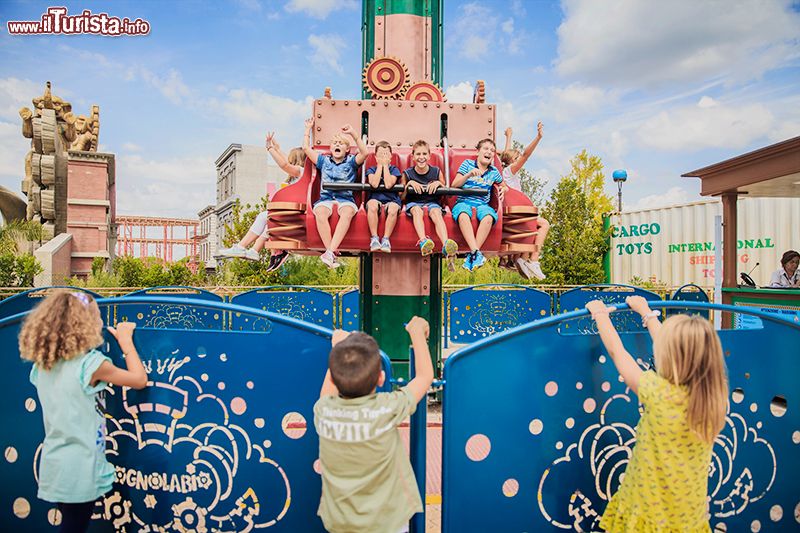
{"x": 386, "y": 77}
{"x": 425, "y": 91}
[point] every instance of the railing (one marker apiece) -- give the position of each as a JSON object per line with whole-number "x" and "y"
{"x": 537, "y": 428}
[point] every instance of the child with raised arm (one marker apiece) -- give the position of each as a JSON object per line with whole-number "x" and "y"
{"x": 420, "y": 182}
{"x": 257, "y": 234}
{"x": 513, "y": 160}
{"x": 476, "y": 174}
{"x": 338, "y": 167}
{"x": 367, "y": 481}
{"x": 61, "y": 336}
{"x": 383, "y": 175}
{"x": 685, "y": 400}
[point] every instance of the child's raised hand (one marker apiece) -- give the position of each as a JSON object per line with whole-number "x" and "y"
{"x": 597, "y": 307}
{"x": 309, "y": 124}
{"x": 418, "y": 326}
{"x": 540, "y": 130}
{"x": 123, "y": 333}
{"x": 347, "y": 129}
{"x": 338, "y": 336}
{"x": 509, "y": 132}
{"x": 270, "y": 140}
{"x": 638, "y": 304}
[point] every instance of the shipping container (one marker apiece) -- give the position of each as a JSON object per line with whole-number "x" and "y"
{"x": 675, "y": 245}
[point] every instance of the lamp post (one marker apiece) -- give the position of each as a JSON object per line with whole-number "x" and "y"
{"x": 620, "y": 176}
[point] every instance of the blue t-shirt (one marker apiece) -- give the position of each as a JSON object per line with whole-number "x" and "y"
{"x": 73, "y": 466}
{"x": 485, "y": 181}
{"x": 383, "y": 196}
{"x": 344, "y": 172}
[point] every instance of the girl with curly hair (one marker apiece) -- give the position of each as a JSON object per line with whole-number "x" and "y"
{"x": 60, "y": 336}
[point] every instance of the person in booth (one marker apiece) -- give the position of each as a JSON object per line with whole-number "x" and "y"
{"x": 788, "y": 276}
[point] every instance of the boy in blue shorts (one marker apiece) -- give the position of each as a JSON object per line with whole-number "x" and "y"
{"x": 382, "y": 175}
{"x": 476, "y": 174}
{"x": 338, "y": 167}
{"x": 420, "y": 182}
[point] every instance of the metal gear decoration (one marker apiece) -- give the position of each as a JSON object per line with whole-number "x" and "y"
{"x": 386, "y": 78}
{"x": 425, "y": 90}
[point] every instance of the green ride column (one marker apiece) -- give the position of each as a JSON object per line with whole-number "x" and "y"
{"x": 392, "y": 21}
{"x": 393, "y": 288}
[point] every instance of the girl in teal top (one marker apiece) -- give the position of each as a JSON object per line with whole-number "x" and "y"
{"x": 60, "y": 336}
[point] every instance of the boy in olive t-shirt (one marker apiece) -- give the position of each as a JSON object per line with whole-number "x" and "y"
{"x": 367, "y": 481}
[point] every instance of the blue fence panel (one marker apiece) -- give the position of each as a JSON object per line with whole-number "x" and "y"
{"x": 350, "y": 305}
{"x": 575, "y": 299}
{"x": 690, "y": 293}
{"x": 25, "y": 301}
{"x": 170, "y": 314}
{"x": 221, "y": 439}
{"x": 302, "y": 303}
{"x": 477, "y": 312}
{"x": 538, "y": 429}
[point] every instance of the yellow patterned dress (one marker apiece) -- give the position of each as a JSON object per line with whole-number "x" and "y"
{"x": 665, "y": 485}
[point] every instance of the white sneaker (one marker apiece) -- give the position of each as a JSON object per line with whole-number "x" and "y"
{"x": 328, "y": 258}
{"x": 233, "y": 251}
{"x": 252, "y": 255}
{"x": 374, "y": 244}
{"x": 536, "y": 269}
{"x": 386, "y": 246}
{"x": 522, "y": 267}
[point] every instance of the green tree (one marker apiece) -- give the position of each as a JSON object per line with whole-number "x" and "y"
{"x": 15, "y": 236}
{"x": 18, "y": 270}
{"x": 532, "y": 186}
{"x": 573, "y": 252}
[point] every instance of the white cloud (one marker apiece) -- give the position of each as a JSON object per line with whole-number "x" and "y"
{"x": 705, "y": 125}
{"x": 16, "y": 93}
{"x": 673, "y": 196}
{"x": 251, "y": 112}
{"x": 318, "y": 9}
{"x": 479, "y": 33}
{"x": 576, "y": 101}
{"x": 635, "y": 43}
{"x": 475, "y": 46}
{"x": 170, "y": 85}
{"x": 164, "y": 187}
{"x": 326, "y": 50}
{"x": 460, "y": 93}
{"x": 131, "y": 147}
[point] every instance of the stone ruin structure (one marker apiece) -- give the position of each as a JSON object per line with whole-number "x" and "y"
{"x": 69, "y": 187}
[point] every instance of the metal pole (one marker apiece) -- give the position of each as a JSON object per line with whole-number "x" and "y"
{"x": 418, "y": 443}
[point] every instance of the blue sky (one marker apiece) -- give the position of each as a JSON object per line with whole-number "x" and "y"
{"x": 658, "y": 88}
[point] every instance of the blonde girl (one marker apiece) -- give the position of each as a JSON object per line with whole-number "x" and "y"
{"x": 513, "y": 160}
{"x": 685, "y": 400}
{"x": 257, "y": 234}
{"x": 60, "y": 337}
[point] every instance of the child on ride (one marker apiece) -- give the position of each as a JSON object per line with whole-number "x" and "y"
{"x": 685, "y": 400}
{"x": 61, "y": 336}
{"x": 476, "y": 174}
{"x": 423, "y": 180}
{"x": 513, "y": 160}
{"x": 383, "y": 175}
{"x": 338, "y": 167}
{"x": 257, "y": 234}
{"x": 367, "y": 481}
